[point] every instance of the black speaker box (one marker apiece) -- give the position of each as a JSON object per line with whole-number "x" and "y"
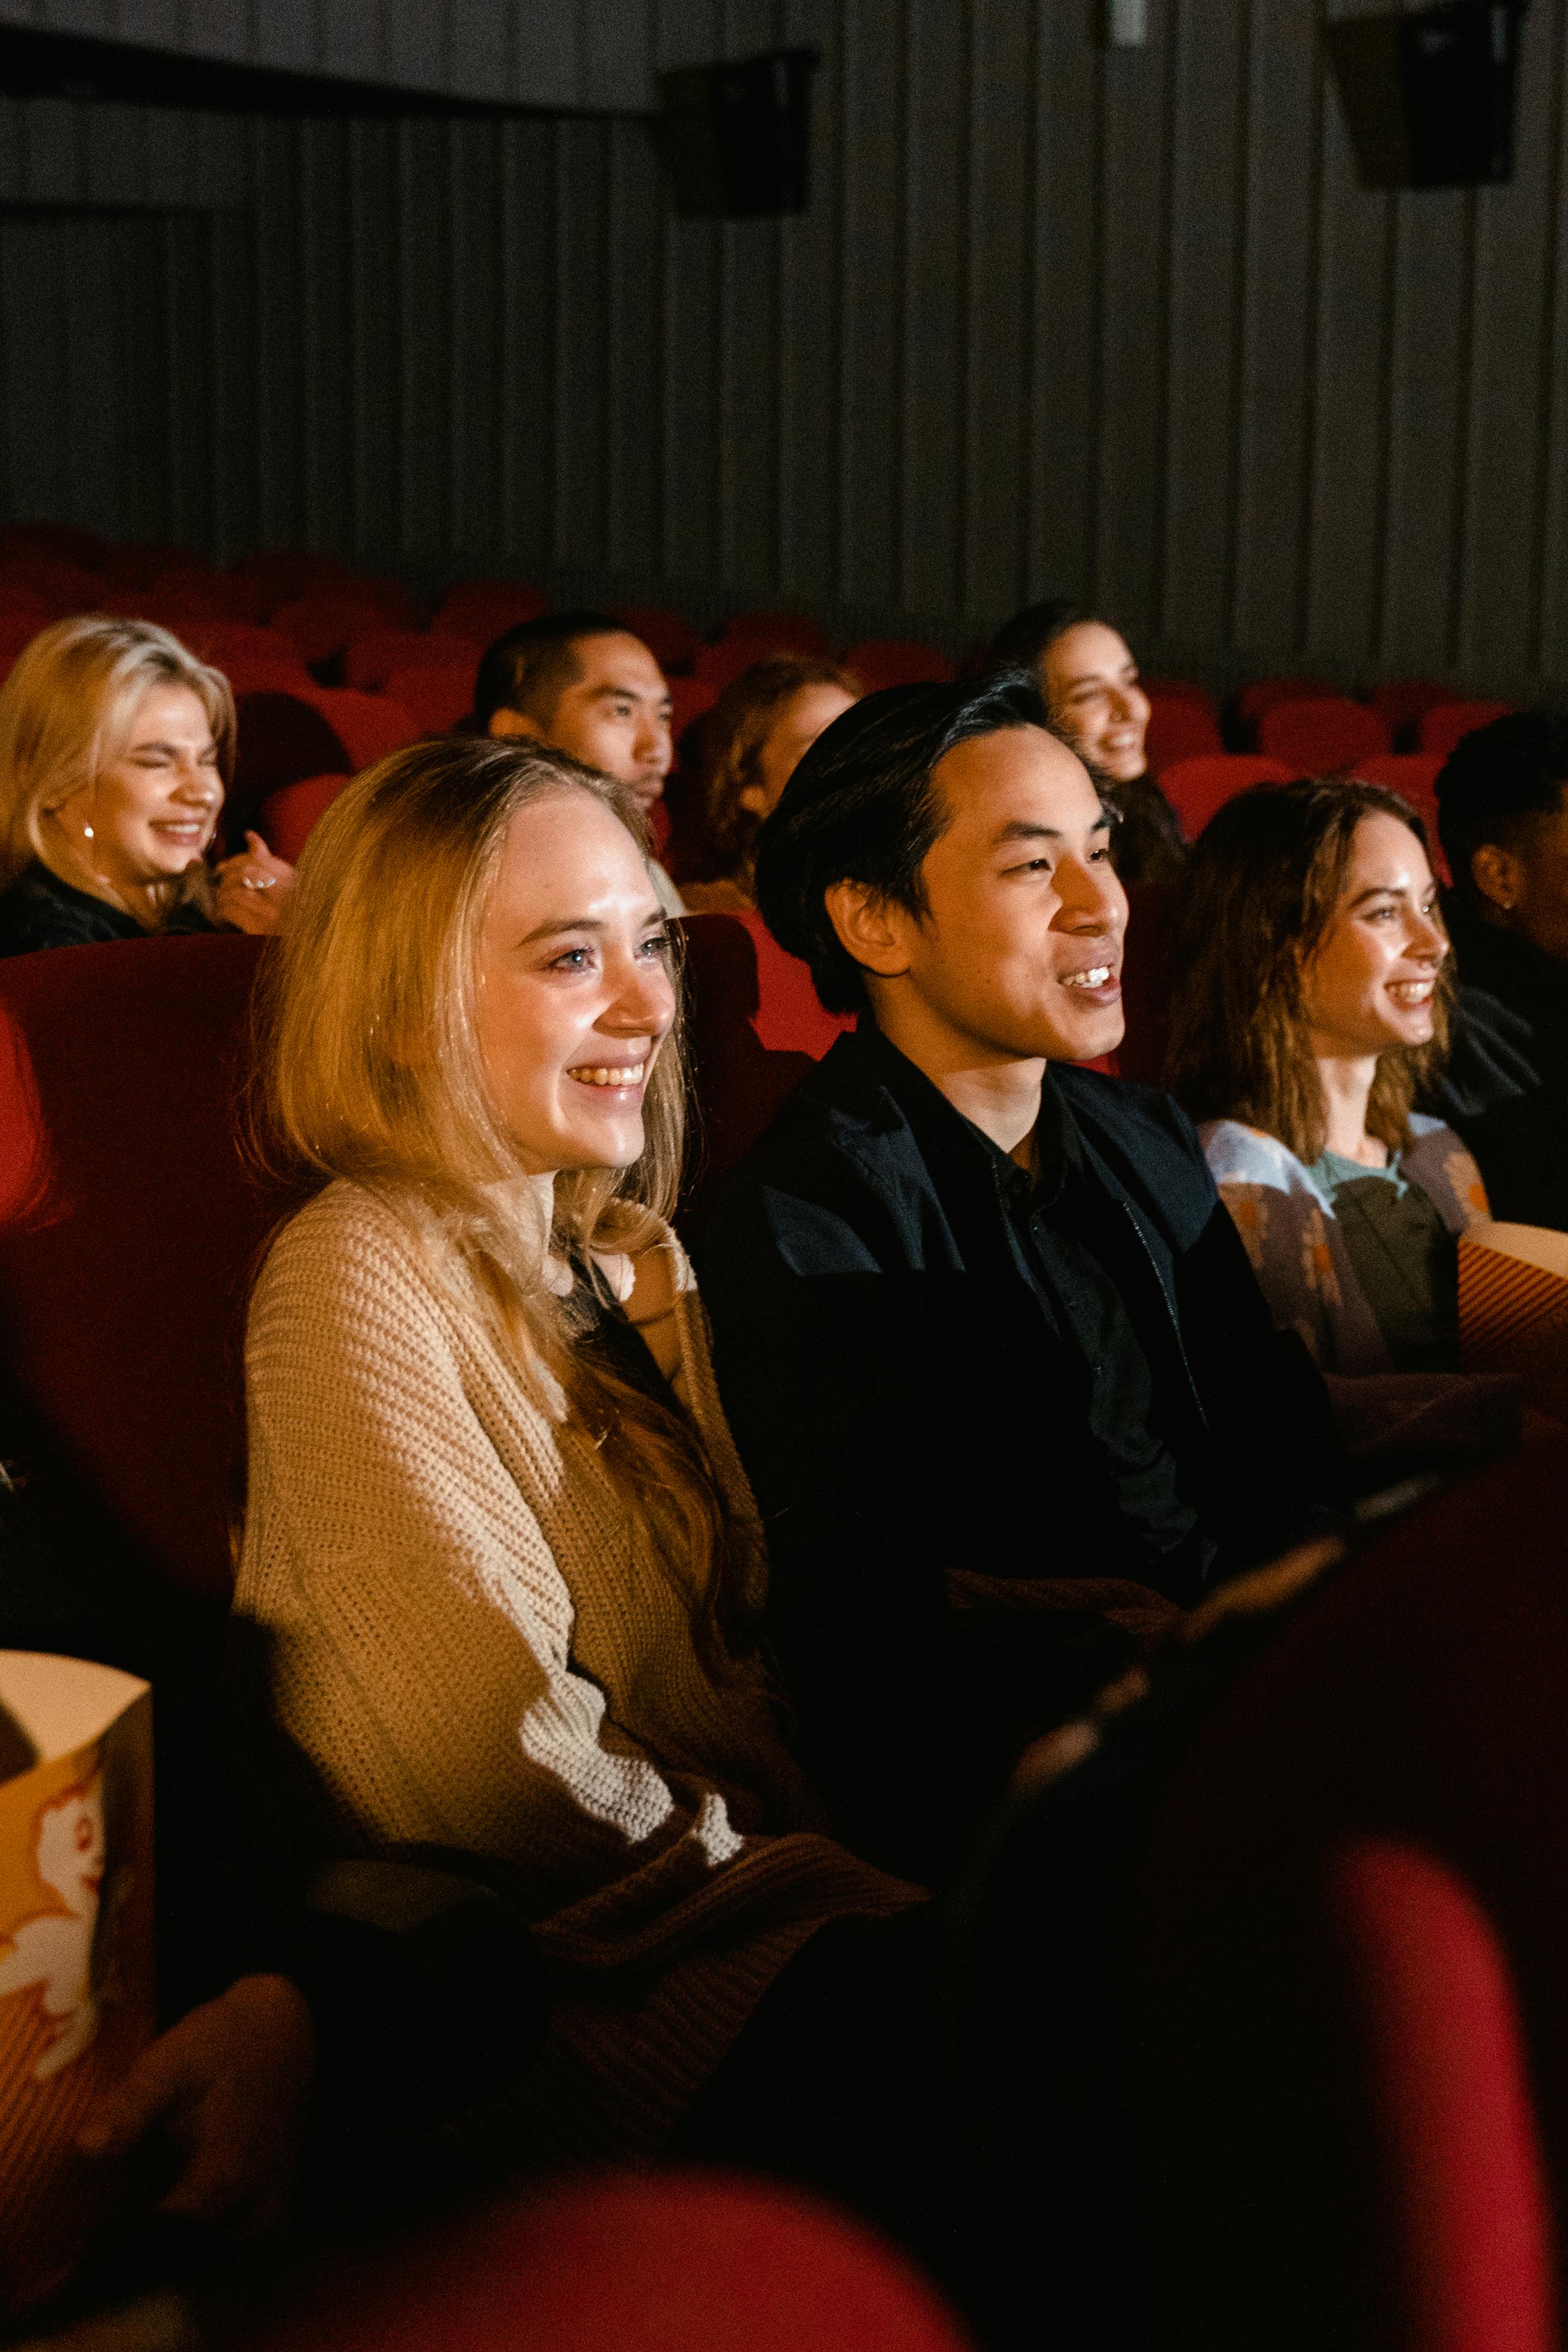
{"x": 1428, "y": 96}
{"x": 736, "y": 139}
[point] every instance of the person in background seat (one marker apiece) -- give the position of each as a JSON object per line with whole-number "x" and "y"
{"x": 116, "y": 748}
{"x": 753, "y": 739}
{"x": 1089, "y": 680}
{"x": 581, "y": 682}
{"x": 1311, "y": 999}
{"x": 1502, "y": 812}
{"x": 1000, "y": 1373}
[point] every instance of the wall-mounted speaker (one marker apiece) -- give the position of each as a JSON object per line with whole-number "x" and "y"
{"x": 1428, "y": 96}
{"x": 735, "y": 139}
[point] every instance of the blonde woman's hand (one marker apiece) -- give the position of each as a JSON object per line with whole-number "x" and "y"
{"x": 253, "y": 888}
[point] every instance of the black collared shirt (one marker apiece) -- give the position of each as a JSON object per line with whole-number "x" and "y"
{"x": 1072, "y": 1241}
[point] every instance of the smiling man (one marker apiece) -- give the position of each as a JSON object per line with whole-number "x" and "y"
{"x": 995, "y": 1357}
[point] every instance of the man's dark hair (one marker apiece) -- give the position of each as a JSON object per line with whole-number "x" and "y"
{"x": 530, "y": 668}
{"x": 1023, "y": 642}
{"x": 1495, "y": 781}
{"x": 863, "y": 806}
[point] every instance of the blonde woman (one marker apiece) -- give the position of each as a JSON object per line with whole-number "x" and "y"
{"x": 498, "y": 1546}
{"x": 116, "y": 749}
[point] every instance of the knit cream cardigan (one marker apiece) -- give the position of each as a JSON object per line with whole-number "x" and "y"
{"x": 471, "y": 1647}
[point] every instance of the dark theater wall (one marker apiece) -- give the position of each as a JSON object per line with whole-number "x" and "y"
{"x": 1110, "y": 323}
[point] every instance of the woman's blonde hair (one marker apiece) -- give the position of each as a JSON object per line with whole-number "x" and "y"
{"x": 68, "y": 711}
{"x": 371, "y": 1071}
{"x": 1262, "y": 888}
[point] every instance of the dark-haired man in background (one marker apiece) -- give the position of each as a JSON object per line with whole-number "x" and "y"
{"x": 992, "y": 1350}
{"x": 583, "y": 683}
{"x": 1502, "y": 803}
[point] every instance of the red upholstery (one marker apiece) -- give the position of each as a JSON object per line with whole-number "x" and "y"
{"x": 67, "y": 541}
{"x": 897, "y": 661}
{"x": 1330, "y": 2060}
{"x": 224, "y": 642}
{"x": 482, "y": 609}
{"x": 667, "y": 2263}
{"x": 1445, "y": 725}
{"x": 288, "y": 818}
{"x": 436, "y": 693}
{"x": 755, "y": 1028}
{"x": 1180, "y": 729}
{"x": 1145, "y": 983}
{"x": 689, "y": 698}
{"x": 1457, "y": 2150}
{"x": 63, "y": 586}
{"x": 307, "y": 730}
{"x": 668, "y": 635}
{"x": 1402, "y": 702}
{"x": 322, "y": 622}
{"x": 375, "y": 653}
{"x": 17, "y": 631}
{"x": 277, "y": 575}
{"x": 1320, "y": 735}
{"x": 1180, "y": 690}
{"x": 1196, "y": 788}
{"x": 1263, "y": 693}
{"x": 800, "y": 632}
{"x": 128, "y": 1226}
{"x": 717, "y": 666}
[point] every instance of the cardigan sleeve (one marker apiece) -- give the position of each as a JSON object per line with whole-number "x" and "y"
{"x": 420, "y": 1629}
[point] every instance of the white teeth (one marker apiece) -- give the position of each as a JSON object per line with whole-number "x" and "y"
{"x": 630, "y": 1077}
{"x": 1410, "y": 992}
{"x": 1096, "y": 978}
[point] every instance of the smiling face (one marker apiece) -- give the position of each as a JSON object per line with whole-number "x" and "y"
{"x": 152, "y": 813}
{"x": 1370, "y": 984}
{"x": 794, "y": 731}
{"x": 615, "y": 716}
{"x": 1092, "y": 687}
{"x": 1017, "y": 957}
{"x": 572, "y": 989}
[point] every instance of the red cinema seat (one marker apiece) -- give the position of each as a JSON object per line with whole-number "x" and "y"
{"x": 483, "y": 609}
{"x": 898, "y": 661}
{"x": 756, "y": 1026}
{"x": 17, "y": 631}
{"x": 1321, "y": 735}
{"x": 1450, "y": 722}
{"x": 375, "y": 657}
{"x": 1196, "y": 788}
{"x": 782, "y": 631}
{"x": 1403, "y": 703}
{"x": 1146, "y": 983}
{"x": 1180, "y": 690}
{"x": 668, "y": 635}
{"x": 324, "y": 622}
{"x": 286, "y": 818}
{"x": 1180, "y": 729}
{"x": 245, "y": 646}
{"x": 719, "y": 666}
{"x": 689, "y": 698}
{"x": 1251, "y": 701}
{"x": 672, "y": 2262}
{"x": 65, "y": 541}
{"x": 1350, "y": 1940}
{"x": 436, "y": 694}
{"x": 289, "y": 733}
{"x": 279, "y": 575}
{"x": 129, "y": 1228}
{"x": 64, "y": 587}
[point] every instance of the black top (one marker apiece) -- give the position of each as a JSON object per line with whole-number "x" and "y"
{"x": 38, "y": 910}
{"x": 928, "y": 1368}
{"x": 1506, "y": 1087}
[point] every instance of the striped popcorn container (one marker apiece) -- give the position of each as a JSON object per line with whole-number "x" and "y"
{"x": 76, "y": 1945}
{"x": 1513, "y": 1308}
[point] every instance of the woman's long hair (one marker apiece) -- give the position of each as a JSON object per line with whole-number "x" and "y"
{"x": 1261, "y": 889}
{"x": 734, "y": 734}
{"x": 68, "y": 711}
{"x": 371, "y": 1071}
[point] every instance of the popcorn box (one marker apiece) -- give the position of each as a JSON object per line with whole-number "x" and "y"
{"x": 1513, "y": 1308}
{"x": 76, "y": 1990}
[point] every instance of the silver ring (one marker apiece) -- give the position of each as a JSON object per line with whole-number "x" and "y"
{"x": 267, "y": 882}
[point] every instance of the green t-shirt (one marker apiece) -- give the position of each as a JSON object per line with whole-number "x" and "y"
{"x": 1404, "y": 1256}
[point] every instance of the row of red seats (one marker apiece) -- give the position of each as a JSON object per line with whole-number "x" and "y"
{"x": 1360, "y": 1823}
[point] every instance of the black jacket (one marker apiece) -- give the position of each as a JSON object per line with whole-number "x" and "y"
{"x": 38, "y": 910}
{"x": 885, "y": 1370}
{"x": 1506, "y": 1087}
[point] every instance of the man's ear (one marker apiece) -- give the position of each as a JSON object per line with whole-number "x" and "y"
{"x": 515, "y": 722}
{"x": 1498, "y": 876}
{"x": 871, "y": 929}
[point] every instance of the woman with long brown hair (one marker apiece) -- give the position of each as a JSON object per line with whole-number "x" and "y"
{"x": 753, "y": 740}
{"x": 1310, "y": 1005}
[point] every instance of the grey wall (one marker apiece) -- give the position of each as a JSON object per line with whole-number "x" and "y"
{"x": 1116, "y": 324}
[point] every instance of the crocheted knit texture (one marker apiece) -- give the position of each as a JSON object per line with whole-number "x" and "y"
{"x": 471, "y": 1647}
